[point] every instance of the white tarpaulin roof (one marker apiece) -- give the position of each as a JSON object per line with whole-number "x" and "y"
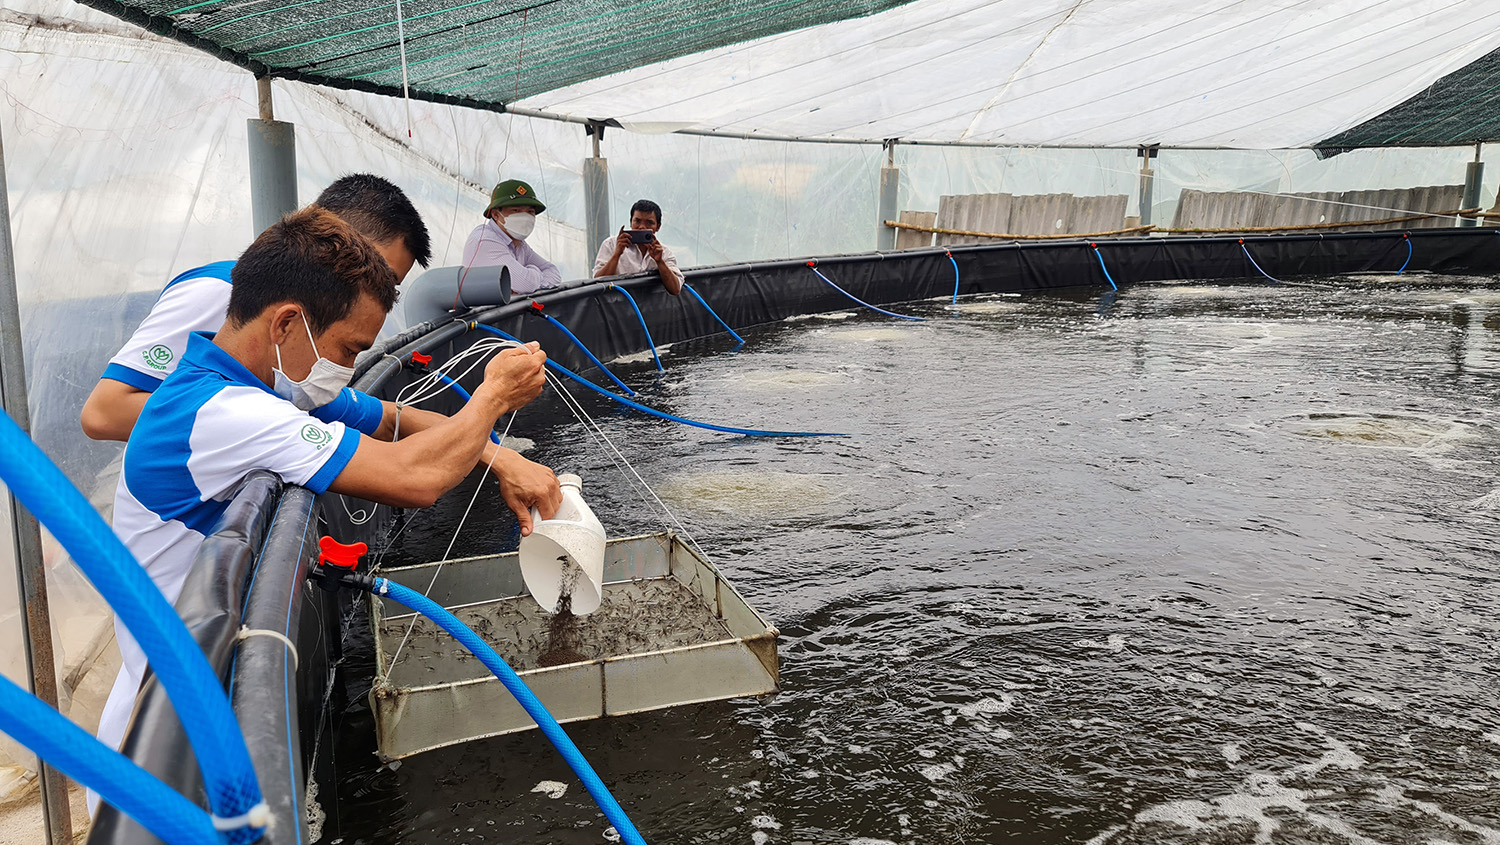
{"x": 1250, "y": 74}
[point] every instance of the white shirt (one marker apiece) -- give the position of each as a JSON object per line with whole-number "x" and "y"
{"x": 489, "y": 246}
{"x": 203, "y": 430}
{"x": 634, "y": 259}
{"x": 195, "y": 301}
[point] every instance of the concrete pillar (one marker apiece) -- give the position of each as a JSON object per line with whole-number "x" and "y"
{"x": 273, "y": 164}
{"x": 1148, "y": 178}
{"x": 890, "y": 185}
{"x": 26, "y": 535}
{"x": 595, "y": 197}
{"x": 1473, "y": 178}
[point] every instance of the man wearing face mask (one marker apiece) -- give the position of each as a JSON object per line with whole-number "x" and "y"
{"x": 501, "y": 239}
{"x": 307, "y": 297}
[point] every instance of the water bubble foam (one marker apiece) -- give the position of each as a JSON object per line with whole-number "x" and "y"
{"x": 551, "y": 788}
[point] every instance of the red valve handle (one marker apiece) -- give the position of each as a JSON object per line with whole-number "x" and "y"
{"x": 344, "y": 556}
{"x": 812, "y": 263}
{"x": 419, "y": 358}
{"x": 536, "y": 306}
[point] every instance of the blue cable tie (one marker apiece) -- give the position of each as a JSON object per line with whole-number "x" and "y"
{"x": 689, "y": 288}
{"x": 196, "y": 693}
{"x": 650, "y": 344}
{"x": 600, "y": 364}
{"x": 955, "y": 277}
{"x": 1107, "y": 276}
{"x": 812, "y": 265}
{"x": 459, "y": 389}
{"x": 750, "y": 432}
{"x": 524, "y": 696}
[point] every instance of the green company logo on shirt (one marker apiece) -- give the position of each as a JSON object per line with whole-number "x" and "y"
{"x": 158, "y": 357}
{"x": 316, "y": 436}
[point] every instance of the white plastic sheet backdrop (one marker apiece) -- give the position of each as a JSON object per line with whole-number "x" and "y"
{"x": 126, "y": 162}
{"x": 1253, "y": 74}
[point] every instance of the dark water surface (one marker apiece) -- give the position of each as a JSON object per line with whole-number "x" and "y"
{"x": 1204, "y": 564}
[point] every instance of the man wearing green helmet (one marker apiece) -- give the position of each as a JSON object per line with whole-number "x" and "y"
{"x": 501, "y": 239}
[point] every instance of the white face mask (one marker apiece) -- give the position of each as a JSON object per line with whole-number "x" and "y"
{"x": 519, "y": 225}
{"x": 323, "y": 382}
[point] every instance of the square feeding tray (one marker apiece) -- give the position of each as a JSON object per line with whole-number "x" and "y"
{"x": 670, "y": 631}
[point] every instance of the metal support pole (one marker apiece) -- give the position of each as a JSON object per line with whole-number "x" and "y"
{"x": 273, "y": 164}
{"x": 890, "y": 185}
{"x": 1148, "y": 178}
{"x": 1473, "y": 178}
{"x": 27, "y": 534}
{"x": 595, "y": 197}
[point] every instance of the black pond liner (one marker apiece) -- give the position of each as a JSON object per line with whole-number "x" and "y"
{"x": 252, "y": 570}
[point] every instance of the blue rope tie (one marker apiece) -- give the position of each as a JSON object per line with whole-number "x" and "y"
{"x": 689, "y": 289}
{"x": 600, "y": 364}
{"x": 955, "y": 276}
{"x": 650, "y": 344}
{"x": 750, "y": 432}
{"x": 1107, "y": 276}
{"x": 813, "y": 266}
{"x": 524, "y": 696}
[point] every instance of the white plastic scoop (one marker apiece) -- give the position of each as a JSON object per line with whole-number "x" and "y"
{"x": 564, "y": 556}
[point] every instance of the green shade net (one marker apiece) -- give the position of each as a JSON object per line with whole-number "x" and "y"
{"x": 1461, "y": 108}
{"x": 478, "y": 53}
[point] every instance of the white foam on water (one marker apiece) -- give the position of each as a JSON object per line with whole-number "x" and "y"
{"x": 1231, "y": 751}
{"x": 865, "y": 840}
{"x": 780, "y": 381}
{"x": 315, "y": 814}
{"x": 1113, "y": 643}
{"x": 926, "y": 752}
{"x": 938, "y": 771}
{"x": 1493, "y": 737}
{"x": 611, "y": 835}
{"x": 760, "y": 837}
{"x": 1392, "y": 794}
{"x": 832, "y": 315}
{"x": 519, "y": 444}
{"x": 762, "y": 494}
{"x": 881, "y": 335}
{"x": 640, "y": 357}
{"x": 765, "y": 822}
{"x": 988, "y": 706}
{"x": 987, "y": 307}
{"x": 551, "y": 788}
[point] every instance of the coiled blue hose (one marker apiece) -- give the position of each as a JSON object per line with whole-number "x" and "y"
{"x": 1257, "y": 266}
{"x": 134, "y": 791}
{"x": 600, "y": 364}
{"x": 812, "y": 265}
{"x": 464, "y": 394}
{"x": 524, "y": 696}
{"x": 714, "y": 314}
{"x": 1407, "y": 238}
{"x": 195, "y": 691}
{"x": 955, "y": 277}
{"x": 1107, "y": 276}
{"x": 750, "y": 432}
{"x": 650, "y": 344}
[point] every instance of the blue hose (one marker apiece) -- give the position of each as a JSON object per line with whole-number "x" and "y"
{"x": 811, "y": 266}
{"x": 600, "y": 364}
{"x": 650, "y": 344}
{"x": 1257, "y": 266}
{"x": 191, "y": 684}
{"x": 134, "y": 791}
{"x": 524, "y": 696}
{"x": 464, "y": 394}
{"x": 1107, "y": 276}
{"x": 1407, "y": 238}
{"x": 955, "y": 278}
{"x": 689, "y": 289}
{"x": 750, "y": 432}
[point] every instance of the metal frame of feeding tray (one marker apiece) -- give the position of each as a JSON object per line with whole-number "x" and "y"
{"x": 413, "y": 718}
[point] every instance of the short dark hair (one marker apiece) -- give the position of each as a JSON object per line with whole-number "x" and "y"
{"x": 647, "y": 207}
{"x": 315, "y": 259}
{"x": 378, "y": 210}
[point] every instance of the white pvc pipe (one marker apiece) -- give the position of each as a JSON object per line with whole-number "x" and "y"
{"x": 442, "y": 291}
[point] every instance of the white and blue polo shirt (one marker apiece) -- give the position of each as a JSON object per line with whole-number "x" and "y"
{"x": 202, "y": 431}
{"x": 198, "y": 301}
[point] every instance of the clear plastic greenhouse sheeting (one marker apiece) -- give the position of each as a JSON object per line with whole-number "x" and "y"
{"x": 126, "y": 162}
{"x": 1249, "y": 74}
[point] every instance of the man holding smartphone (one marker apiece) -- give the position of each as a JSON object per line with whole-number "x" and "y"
{"x": 636, "y": 250}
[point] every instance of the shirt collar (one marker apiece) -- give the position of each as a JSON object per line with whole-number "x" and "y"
{"x": 203, "y": 352}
